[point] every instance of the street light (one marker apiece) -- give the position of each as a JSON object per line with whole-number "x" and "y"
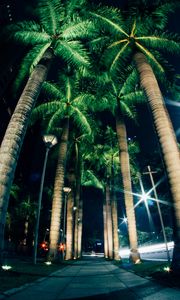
{"x": 49, "y": 140}
{"x": 66, "y": 191}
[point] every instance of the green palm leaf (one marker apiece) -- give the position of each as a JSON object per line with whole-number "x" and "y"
{"x": 52, "y": 91}
{"x": 90, "y": 179}
{"x": 80, "y": 121}
{"x": 72, "y": 52}
{"x": 44, "y": 110}
{"x": 134, "y": 98}
{"x": 50, "y": 13}
{"x": 78, "y": 29}
{"x": 111, "y": 23}
{"x": 165, "y": 41}
{"x": 56, "y": 117}
{"x": 28, "y": 61}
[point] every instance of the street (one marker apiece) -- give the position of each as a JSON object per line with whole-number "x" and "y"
{"x": 152, "y": 252}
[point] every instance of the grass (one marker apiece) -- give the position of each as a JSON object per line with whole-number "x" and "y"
{"x": 154, "y": 270}
{"x": 23, "y": 271}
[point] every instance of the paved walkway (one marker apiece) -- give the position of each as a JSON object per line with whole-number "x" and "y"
{"x": 94, "y": 278}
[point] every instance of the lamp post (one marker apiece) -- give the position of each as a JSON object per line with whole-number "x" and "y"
{"x": 66, "y": 191}
{"x": 159, "y": 211}
{"x": 49, "y": 140}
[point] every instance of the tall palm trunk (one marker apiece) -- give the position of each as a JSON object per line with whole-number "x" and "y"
{"x": 80, "y": 225}
{"x": 76, "y": 221}
{"x": 71, "y": 212}
{"x": 77, "y": 197}
{"x": 115, "y": 226}
{"x": 58, "y": 192}
{"x": 126, "y": 179}
{"x": 105, "y": 230}
{"x": 109, "y": 222}
{"x": 69, "y": 225}
{"x": 167, "y": 139}
{"x": 15, "y": 133}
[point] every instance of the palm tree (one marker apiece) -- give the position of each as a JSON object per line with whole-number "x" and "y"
{"x": 135, "y": 40}
{"x": 52, "y": 36}
{"x": 65, "y": 107}
{"x": 70, "y": 215}
{"x": 99, "y": 159}
{"x": 78, "y": 199}
{"x": 119, "y": 97}
{"x": 112, "y": 158}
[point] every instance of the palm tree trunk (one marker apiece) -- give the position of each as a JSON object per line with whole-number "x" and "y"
{"x": 80, "y": 226}
{"x": 77, "y": 197}
{"x": 167, "y": 140}
{"x": 77, "y": 219}
{"x": 109, "y": 222}
{"x": 15, "y": 133}
{"x": 69, "y": 225}
{"x": 115, "y": 227}
{"x": 126, "y": 179}
{"x": 58, "y": 193}
{"x": 105, "y": 230}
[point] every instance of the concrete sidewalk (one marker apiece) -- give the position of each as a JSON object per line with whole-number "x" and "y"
{"x": 93, "y": 278}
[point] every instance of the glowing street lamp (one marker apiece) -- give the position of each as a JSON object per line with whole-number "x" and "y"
{"x": 50, "y": 140}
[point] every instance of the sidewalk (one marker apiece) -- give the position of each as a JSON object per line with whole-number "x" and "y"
{"x": 93, "y": 278}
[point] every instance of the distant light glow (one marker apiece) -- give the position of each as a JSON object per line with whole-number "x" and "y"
{"x": 146, "y": 249}
{"x": 144, "y": 196}
{"x": 6, "y": 267}
{"x": 138, "y": 261}
{"x": 167, "y": 269}
{"x": 48, "y": 263}
{"x": 124, "y": 220}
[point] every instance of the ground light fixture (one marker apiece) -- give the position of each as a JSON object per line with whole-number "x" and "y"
{"x": 49, "y": 140}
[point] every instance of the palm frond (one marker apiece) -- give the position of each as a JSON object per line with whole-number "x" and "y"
{"x": 44, "y": 110}
{"x": 78, "y": 30}
{"x": 72, "y": 53}
{"x": 21, "y": 27}
{"x": 128, "y": 110}
{"x": 84, "y": 100}
{"x": 56, "y": 117}
{"x": 130, "y": 83}
{"x": 31, "y": 37}
{"x": 98, "y": 43}
{"x": 90, "y": 179}
{"x": 151, "y": 15}
{"x": 26, "y": 65}
{"x": 133, "y": 98}
{"x": 51, "y": 90}
{"x": 111, "y": 20}
{"x": 50, "y": 13}
{"x": 160, "y": 15}
{"x": 80, "y": 121}
{"x": 118, "y": 60}
{"x": 39, "y": 55}
{"x": 164, "y": 42}
{"x": 72, "y": 6}
{"x": 150, "y": 57}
